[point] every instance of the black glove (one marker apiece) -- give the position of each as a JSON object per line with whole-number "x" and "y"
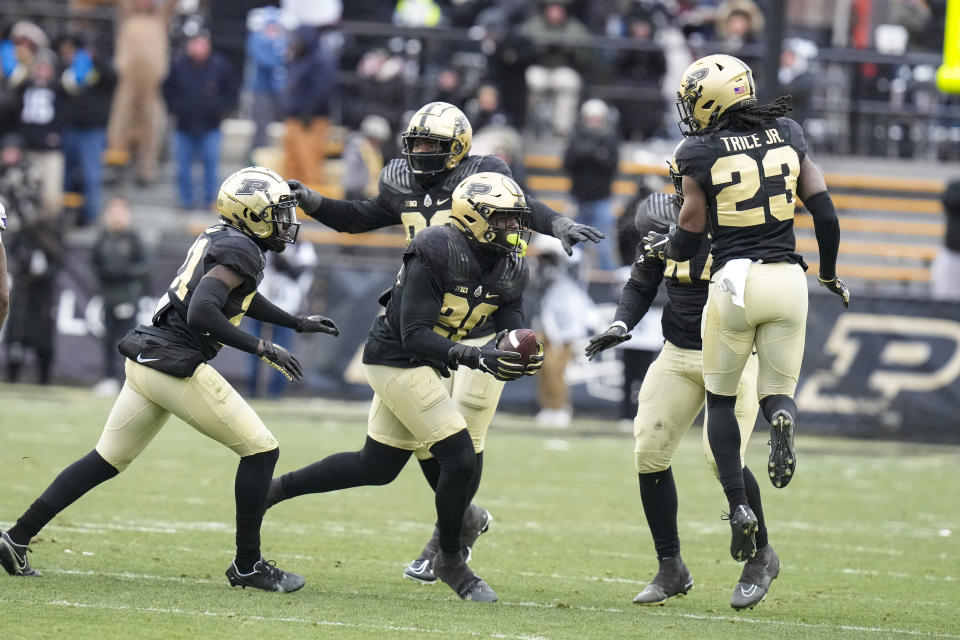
{"x": 536, "y": 361}
{"x": 307, "y": 199}
{"x": 570, "y": 233}
{"x": 654, "y": 246}
{"x": 281, "y": 360}
{"x": 316, "y": 324}
{"x": 836, "y": 285}
{"x": 609, "y": 338}
{"x": 488, "y": 359}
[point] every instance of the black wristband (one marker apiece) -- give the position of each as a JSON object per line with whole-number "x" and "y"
{"x": 683, "y": 244}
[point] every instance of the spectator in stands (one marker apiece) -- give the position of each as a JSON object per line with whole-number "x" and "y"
{"x": 484, "y": 109}
{"x": 643, "y": 70}
{"x": 363, "y": 158}
{"x": 381, "y": 89}
{"x": 141, "y": 59}
{"x": 739, "y": 24}
{"x": 266, "y": 47}
{"x": 557, "y": 66}
{"x": 120, "y": 262}
{"x": 34, "y": 253}
{"x": 561, "y": 324}
{"x": 88, "y": 82}
{"x": 508, "y": 52}
{"x": 9, "y": 99}
{"x": 16, "y": 59}
{"x": 945, "y": 270}
{"x": 199, "y": 91}
{"x": 449, "y": 88}
{"x": 507, "y": 144}
{"x": 591, "y": 161}
{"x": 796, "y": 76}
{"x": 41, "y": 123}
{"x": 417, "y": 13}
{"x": 311, "y": 85}
{"x": 286, "y": 280}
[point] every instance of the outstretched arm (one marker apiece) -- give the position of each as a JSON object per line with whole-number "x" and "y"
{"x": 262, "y": 309}
{"x": 346, "y": 216}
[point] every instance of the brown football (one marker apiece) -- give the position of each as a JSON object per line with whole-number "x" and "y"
{"x": 522, "y": 341}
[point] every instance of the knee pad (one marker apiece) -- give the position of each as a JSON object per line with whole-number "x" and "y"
{"x": 651, "y": 461}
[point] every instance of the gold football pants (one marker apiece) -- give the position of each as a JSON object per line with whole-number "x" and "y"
{"x": 671, "y": 396}
{"x": 205, "y": 401}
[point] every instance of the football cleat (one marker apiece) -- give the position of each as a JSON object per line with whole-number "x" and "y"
{"x": 755, "y": 580}
{"x": 783, "y": 457}
{"x": 743, "y": 526}
{"x": 673, "y": 579}
{"x": 265, "y": 575}
{"x": 13, "y": 557}
{"x": 476, "y": 522}
{"x": 453, "y": 570}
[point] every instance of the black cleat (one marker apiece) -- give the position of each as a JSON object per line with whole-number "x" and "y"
{"x": 743, "y": 525}
{"x": 783, "y": 457}
{"x": 13, "y": 557}
{"x": 755, "y": 580}
{"x": 673, "y": 579}
{"x": 453, "y": 570}
{"x": 265, "y": 575}
{"x": 476, "y": 522}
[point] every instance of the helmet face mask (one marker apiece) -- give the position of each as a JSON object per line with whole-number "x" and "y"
{"x": 710, "y": 87}
{"x": 448, "y": 133}
{"x": 258, "y": 202}
{"x": 490, "y": 209}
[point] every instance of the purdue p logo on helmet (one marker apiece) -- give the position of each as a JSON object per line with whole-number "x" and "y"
{"x": 442, "y": 126}
{"x": 258, "y": 202}
{"x": 491, "y": 209}
{"x": 712, "y": 86}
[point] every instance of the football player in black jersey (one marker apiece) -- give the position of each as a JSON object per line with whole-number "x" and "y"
{"x": 743, "y": 167}
{"x": 416, "y": 191}
{"x": 167, "y": 373}
{"x": 454, "y": 279}
{"x": 673, "y": 392}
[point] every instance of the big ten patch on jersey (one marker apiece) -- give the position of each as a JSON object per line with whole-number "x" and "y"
{"x": 421, "y": 210}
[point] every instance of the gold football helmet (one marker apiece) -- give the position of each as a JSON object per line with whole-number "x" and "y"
{"x": 491, "y": 209}
{"x": 258, "y": 202}
{"x": 712, "y": 86}
{"x": 446, "y": 129}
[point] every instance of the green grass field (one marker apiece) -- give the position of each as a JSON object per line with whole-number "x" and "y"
{"x": 868, "y": 533}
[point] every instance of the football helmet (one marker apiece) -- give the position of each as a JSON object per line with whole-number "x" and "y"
{"x": 447, "y": 128}
{"x": 491, "y": 209}
{"x": 258, "y": 202}
{"x": 712, "y": 86}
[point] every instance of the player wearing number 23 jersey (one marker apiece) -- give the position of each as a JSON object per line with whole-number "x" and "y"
{"x": 743, "y": 168}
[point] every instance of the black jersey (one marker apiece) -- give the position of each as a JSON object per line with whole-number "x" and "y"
{"x": 445, "y": 290}
{"x": 219, "y": 244}
{"x": 401, "y": 199}
{"x": 750, "y": 180}
{"x": 687, "y": 282}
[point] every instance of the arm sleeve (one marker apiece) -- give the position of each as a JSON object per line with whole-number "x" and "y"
{"x": 262, "y": 309}
{"x": 355, "y": 216}
{"x": 206, "y": 314}
{"x": 639, "y": 292}
{"x": 827, "y": 228}
{"x": 419, "y": 310}
{"x": 510, "y": 316}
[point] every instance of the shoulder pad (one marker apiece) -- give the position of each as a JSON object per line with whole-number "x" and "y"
{"x": 396, "y": 177}
{"x": 234, "y": 249}
{"x": 467, "y": 167}
{"x": 796, "y": 140}
{"x": 658, "y": 212}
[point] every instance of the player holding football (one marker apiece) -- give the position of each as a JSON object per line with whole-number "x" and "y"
{"x": 167, "y": 373}
{"x": 416, "y": 192}
{"x": 743, "y": 166}
{"x": 673, "y": 393}
{"x": 454, "y": 279}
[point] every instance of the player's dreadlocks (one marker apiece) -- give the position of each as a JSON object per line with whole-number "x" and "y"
{"x": 750, "y": 117}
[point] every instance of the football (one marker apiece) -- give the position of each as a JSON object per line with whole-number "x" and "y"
{"x": 523, "y": 341}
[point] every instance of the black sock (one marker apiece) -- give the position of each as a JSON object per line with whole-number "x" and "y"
{"x": 658, "y": 492}
{"x": 73, "y": 482}
{"x": 475, "y": 482}
{"x": 458, "y": 465}
{"x": 723, "y": 432}
{"x": 374, "y": 464}
{"x": 771, "y": 404}
{"x": 250, "y": 491}
{"x": 431, "y": 471}
{"x": 753, "y": 499}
